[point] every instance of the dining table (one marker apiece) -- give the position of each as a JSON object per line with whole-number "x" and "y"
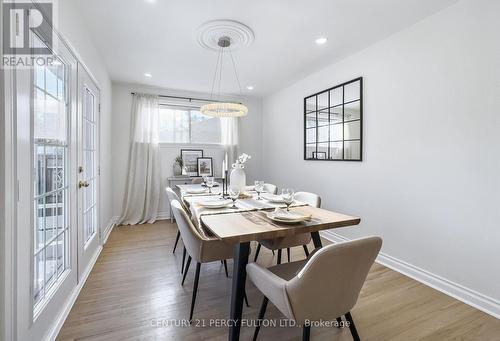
{"x": 250, "y": 222}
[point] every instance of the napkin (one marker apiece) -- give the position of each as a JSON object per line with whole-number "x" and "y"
{"x": 289, "y": 215}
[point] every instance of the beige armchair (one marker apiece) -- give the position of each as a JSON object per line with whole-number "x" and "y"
{"x": 321, "y": 288}
{"x": 199, "y": 247}
{"x": 287, "y": 242}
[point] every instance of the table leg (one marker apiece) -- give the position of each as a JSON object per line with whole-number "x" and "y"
{"x": 241, "y": 253}
{"x": 316, "y": 240}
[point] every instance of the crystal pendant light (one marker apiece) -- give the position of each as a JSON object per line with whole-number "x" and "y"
{"x": 223, "y": 109}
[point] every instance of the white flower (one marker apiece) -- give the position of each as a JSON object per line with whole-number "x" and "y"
{"x": 243, "y": 158}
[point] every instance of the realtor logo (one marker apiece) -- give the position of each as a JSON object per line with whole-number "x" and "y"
{"x": 27, "y": 33}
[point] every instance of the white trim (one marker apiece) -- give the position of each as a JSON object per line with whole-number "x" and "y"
{"x": 107, "y": 231}
{"x": 468, "y": 296}
{"x": 63, "y": 315}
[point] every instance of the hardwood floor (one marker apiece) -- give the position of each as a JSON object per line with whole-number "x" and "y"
{"x": 136, "y": 283}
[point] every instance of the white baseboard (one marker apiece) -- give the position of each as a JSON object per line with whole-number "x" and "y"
{"x": 163, "y": 215}
{"x": 63, "y": 315}
{"x": 112, "y": 223}
{"x": 471, "y": 297}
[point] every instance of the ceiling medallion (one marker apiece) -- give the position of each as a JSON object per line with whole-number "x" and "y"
{"x": 210, "y": 32}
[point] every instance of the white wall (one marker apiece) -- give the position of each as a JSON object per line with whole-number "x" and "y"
{"x": 250, "y": 134}
{"x": 429, "y": 183}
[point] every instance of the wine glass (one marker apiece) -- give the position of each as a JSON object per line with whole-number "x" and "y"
{"x": 234, "y": 193}
{"x": 287, "y": 194}
{"x": 210, "y": 183}
{"x": 259, "y": 188}
{"x": 204, "y": 177}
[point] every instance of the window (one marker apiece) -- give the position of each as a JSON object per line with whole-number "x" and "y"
{"x": 50, "y": 185}
{"x": 188, "y": 125}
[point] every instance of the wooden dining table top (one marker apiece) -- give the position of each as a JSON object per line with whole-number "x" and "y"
{"x": 255, "y": 225}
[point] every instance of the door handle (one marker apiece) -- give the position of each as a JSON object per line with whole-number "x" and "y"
{"x": 83, "y": 184}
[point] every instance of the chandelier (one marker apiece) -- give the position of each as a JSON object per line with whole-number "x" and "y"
{"x": 221, "y": 108}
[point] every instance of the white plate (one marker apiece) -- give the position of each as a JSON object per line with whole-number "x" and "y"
{"x": 271, "y": 216}
{"x": 215, "y": 203}
{"x": 278, "y": 199}
{"x": 196, "y": 191}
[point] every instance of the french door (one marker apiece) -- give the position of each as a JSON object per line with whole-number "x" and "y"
{"x": 88, "y": 170}
{"x": 57, "y": 172}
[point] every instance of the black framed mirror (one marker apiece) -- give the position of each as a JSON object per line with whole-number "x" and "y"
{"x": 333, "y": 123}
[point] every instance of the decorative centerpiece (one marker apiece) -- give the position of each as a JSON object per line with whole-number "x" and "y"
{"x": 238, "y": 177}
{"x": 178, "y": 165}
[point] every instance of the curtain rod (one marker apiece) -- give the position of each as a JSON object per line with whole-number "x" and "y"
{"x": 186, "y": 98}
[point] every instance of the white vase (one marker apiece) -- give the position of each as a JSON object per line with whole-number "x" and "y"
{"x": 238, "y": 177}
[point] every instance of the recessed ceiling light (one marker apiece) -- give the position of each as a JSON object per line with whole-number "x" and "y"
{"x": 148, "y": 75}
{"x": 250, "y": 87}
{"x": 321, "y": 40}
{"x": 151, "y": 1}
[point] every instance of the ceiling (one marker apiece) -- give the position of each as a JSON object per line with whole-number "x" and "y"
{"x": 160, "y": 37}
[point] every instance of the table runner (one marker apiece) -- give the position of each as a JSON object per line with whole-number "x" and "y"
{"x": 244, "y": 205}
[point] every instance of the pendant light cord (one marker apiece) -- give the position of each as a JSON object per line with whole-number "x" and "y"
{"x": 215, "y": 73}
{"x": 218, "y": 69}
{"x": 235, "y": 73}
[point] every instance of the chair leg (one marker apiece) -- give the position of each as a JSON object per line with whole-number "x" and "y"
{"x": 225, "y": 267}
{"x": 195, "y": 289}
{"x": 306, "y": 333}
{"x": 257, "y": 252}
{"x": 288, "y": 254}
{"x": 176, "y": 240}
{"x": 339, "y": 321}
{"x": 352, "y": 327}
{"x": 279, "y": 256}
{"x": 246, "y": 299}
{"x": 183, "y": 259}
{"x": 306, "y": 250}
{"x": 261, "y": 316}
{"x": 186, "y": 270}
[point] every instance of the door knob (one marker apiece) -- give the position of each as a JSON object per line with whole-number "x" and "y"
{"x": 83, "y": 184}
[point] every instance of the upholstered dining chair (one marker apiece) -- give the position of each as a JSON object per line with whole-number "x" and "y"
{"x": 268, "y": 188}
{"x": 171, "y": 195}
{"x": 279, "y": 244}
{"x": 321, "y": 288}
{"x": 200, "y": 247}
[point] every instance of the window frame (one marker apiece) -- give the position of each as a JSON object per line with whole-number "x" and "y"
{"x": 190, "y": 143}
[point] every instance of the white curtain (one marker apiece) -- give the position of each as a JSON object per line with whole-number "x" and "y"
{"x": 142, "y": 195}
{"x": 229, "y": 138}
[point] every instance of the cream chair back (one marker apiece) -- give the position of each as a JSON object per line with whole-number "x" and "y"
{"x": 329, "y": 284}
{"x": 190, "y": 236}
{"x": 311, "y": 199}
{"x": 270, "y": 188}
{"x": 172, "y": 195}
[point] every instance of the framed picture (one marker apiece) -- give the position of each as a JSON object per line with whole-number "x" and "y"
{"x": 319, "y": 155}
{"x": 205, "y": 166}
{"x": 190, "y": 161}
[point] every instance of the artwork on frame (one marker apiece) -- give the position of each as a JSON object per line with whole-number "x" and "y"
{"x": 319, "y": 155}
{"x": 205, "y": 166}
{"x": 190, "y": 161}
